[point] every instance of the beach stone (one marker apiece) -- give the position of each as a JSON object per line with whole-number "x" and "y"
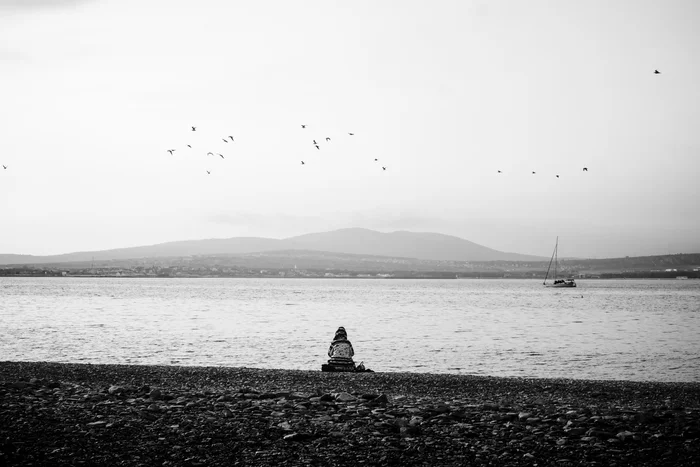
{"x": 381, "y": 399}
{"x": 285, "y": 426}
{"x": 115, "y": 390}
{"x": 297, "y": 437}
{"x": 409, "y": 430}
{"x": 155, "y": 394}
{"x": 600, "y": 434}
{"x": 344, "y": 397}
{"x": 625, "y": 435}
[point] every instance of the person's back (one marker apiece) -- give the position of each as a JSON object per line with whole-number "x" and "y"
{"x": 341, "y": 351}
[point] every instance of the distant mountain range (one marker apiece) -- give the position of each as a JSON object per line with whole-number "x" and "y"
{"x": 402, "y": 244}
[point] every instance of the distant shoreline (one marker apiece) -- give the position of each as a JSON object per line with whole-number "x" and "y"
{"x": 612, "y": 276}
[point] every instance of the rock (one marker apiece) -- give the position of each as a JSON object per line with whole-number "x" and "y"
{"x": 115, "y": 390}
{"x": 625, "y": 435}
{"x": 577, "y": 431}
{"x": 344, "y": 397}
{"x": 155, "y": 394}
{"x": 297, "y": 437}
{"x": 409, "y": 430}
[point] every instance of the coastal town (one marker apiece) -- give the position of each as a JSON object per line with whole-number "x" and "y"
{"x": 321, "y": 265}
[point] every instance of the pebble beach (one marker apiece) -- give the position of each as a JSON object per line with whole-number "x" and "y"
{"x": 128, "y": 415}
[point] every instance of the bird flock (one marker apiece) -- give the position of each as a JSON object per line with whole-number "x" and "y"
{"x": 230, "y": 139}
{"x": 585, "y": 169}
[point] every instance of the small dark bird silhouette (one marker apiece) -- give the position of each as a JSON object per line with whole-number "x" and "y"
{"x": 383, "y": 168}
{"x": 303, "y": 126}
{"x": 171, "y": 151}
{"x": 225, "y": 140}
{"x": 327, "y": 138}
{"x": 317, "y": 147}
{"x": 4, "y": 167}
{"x": 557, "y": 176}
{"x": 351, "y": 134}
{"x": 189, "y": 146}
{"x": 194, "y": 128}
{"x": 375, "y": 160}
{"x": 499, "y": 171}
{"x": 210, "y": 154}
{"x": 231, "y": 137}
{"x": 208, "y": 173}
{"x": 302, "y": 162}
{"x": 657, "y": 72}
{"x": 222, "y": 156}
{"x": 533, "y": 173}
{"x": 315, "y": 142}
{"x": 585, "y": 169}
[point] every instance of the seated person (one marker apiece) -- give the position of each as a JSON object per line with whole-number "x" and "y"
{"x": 341, "y": 351}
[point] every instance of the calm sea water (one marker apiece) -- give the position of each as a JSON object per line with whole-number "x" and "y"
{"x": 642, "y": 330}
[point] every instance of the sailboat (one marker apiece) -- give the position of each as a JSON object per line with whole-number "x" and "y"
{"x": 557, "y": 282}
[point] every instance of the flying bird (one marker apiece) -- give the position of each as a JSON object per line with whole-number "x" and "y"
{"x": 302, "y": 162}
{"x": 222, "y": 156}
{"x": 171, "y": 151}
{"x": 383, "y": 168}
{"x": 351, "y": 134}
{"x": 533, "y": 173}
{"x": 317, "y": 147}
{"x": 303, "y": 126}
{"x": 327, "y": 138}
{"x": 4, "y": 167}
{"x": 585, "y": 169}
{"x": 315, "y": 142}
{"x": 557, "y": 176}
{"x": 231, "y": 137}
{"x": 375, "y": 160}
{"x": 194, "y": 128}
{"x": 210, "y": 154}
{"x": 499, "y": 171}
{"x": 208, "y": 173}
{"x": 225, "y": 140}
{"x": 657, "y": 72}
{"x": 189, "y": 146}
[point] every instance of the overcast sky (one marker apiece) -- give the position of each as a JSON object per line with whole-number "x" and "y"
{"x": 443, "y": 93}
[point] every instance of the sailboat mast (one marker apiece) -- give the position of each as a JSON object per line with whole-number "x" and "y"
{"x": 550, "y": 264}
{"x": 556, "y": 258}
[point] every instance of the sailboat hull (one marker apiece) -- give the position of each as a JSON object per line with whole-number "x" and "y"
{"x": 566, "y": 284}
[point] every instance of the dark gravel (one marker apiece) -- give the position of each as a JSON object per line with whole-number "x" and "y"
{"x": 68, "y": 414}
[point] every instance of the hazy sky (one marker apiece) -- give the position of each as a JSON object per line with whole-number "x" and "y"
{"x": 444, "y": 93}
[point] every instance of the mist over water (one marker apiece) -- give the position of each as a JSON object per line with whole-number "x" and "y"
{"x": 627, "y": 330}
